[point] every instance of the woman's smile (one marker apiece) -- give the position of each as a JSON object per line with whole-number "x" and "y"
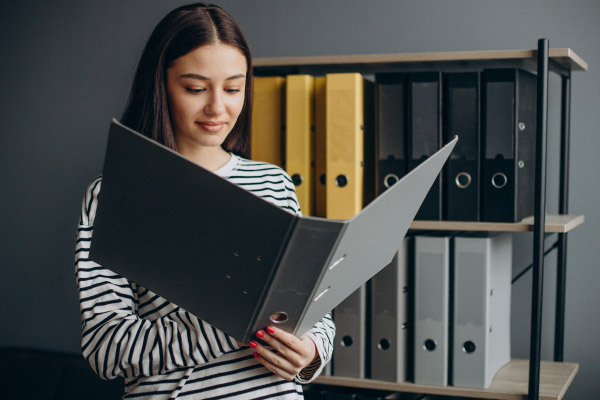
{"x": 210, "y": 126}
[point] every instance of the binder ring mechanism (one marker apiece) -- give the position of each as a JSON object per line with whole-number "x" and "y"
{"x": 463, "y": 180}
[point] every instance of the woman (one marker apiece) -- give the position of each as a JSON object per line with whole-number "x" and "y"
{"x": 192, "y": 93}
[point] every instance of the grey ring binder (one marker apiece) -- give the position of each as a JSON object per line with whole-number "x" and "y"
{"x": 232, "y": 258}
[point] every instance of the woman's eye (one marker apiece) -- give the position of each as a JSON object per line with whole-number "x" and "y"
{"x": 195, "y": 91}
{"x": 232, "y": 90}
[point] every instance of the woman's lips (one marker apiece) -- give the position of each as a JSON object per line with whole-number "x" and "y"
{"x": 213, "y": 127}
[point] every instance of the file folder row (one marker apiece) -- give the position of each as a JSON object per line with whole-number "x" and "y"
{"x": 320, "y": 130}
{"x": 490, "y": 174}
{"x": 344, "y": 139}
{"x": 439, "y": 315}
{"x": 372, "y": 326}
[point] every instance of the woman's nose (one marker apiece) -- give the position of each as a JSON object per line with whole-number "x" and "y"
{"x": 215, "y": 105}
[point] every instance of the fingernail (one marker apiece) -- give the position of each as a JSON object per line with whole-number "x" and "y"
{"x": 270, "y": 329}
{"x": 260, "y": 334}
{"x": 253, "y": 344}
{"x": 255, "y": 355}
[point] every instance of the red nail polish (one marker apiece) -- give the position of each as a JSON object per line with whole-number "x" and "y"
{"x": 270, "y": 329}
{"x": 260, "y": 334}
{"x": 256, "y": 355}
{"x": 253, "y": 344}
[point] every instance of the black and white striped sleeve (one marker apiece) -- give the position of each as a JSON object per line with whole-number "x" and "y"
{"x": 322, "y": 334}
{"x": 123, "y": 337}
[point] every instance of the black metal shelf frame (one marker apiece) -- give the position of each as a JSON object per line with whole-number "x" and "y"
{"x": 539, "y": 215}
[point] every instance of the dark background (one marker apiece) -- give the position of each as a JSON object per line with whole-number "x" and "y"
{"x": 66, "y": 71}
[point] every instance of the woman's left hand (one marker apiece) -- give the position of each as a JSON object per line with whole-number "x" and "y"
{"x": 289, "y": 354}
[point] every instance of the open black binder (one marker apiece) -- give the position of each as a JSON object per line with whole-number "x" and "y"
{"x": 229, "y": 257}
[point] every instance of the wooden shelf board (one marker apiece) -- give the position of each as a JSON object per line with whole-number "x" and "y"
{"x": 554, "y": 224}
{"x": 510, "y": 383}
{"x": 565, "y": 57}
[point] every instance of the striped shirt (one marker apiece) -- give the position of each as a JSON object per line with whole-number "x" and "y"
{"x": 161, "y": 350}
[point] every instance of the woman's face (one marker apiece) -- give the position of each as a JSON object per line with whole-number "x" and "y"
{"x": 206, "y": 94}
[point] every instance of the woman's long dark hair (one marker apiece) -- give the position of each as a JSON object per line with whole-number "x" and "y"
{"x": 181, "y": 31}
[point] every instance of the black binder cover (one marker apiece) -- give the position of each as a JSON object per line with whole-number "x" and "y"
{"x": 230, "y": 257}
{"x": 425, "y": 132}
{"x": 461, "y": 117}
{"x": 391, "y": 129}
{"x": 509, "y": 130}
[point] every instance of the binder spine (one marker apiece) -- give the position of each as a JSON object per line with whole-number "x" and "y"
{"x": 391, "y": 138}
{"x": 299, "y": 270}
{"x": 525, "y": 142}
{"x": 369, "y": 151}
{"x": 462, "y": 173}
{"x": 349, "y": 347}
{"x": 389, "y": 320}
{"x": 482, "y": 309}
{"x": 299, "y": 133}
{"x": 345, "y": 145}
{"x": 320, "y": 149}
{"x": 509, "y": 108}
{"x": 266, "y": 142}
{"x": 431, "y": 310}
{"x": 425, "y": 132}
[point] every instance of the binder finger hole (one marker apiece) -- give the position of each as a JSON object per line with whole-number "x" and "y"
{"x": 463, "y": 180}
{"x": 322, "y": 179}
{"x": 279, "y": 317}
{"x": 341, "y": 180}
{"x": 390, "y": 179}
{"x": 347, "y": 341}
{"x": 499, "y": 180}
{"x": 297, "y": 179}
{"x": 383, "y": 344}
{"x": 430, "y": 345}
{"x": 469, "y": 347}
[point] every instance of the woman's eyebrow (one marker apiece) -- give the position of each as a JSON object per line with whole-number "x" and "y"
{"x": 205, "y": 78}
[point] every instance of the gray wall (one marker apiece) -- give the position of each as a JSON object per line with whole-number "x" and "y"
{"x": 66, "y": 70}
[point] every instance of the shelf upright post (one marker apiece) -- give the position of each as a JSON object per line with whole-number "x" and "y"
{"x": 539, "y": 220}
{"x": 563, "y": 208}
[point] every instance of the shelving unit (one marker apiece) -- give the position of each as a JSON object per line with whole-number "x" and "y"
{"x": 533, "y": 379}
{"x": 554, "y": 224}
{"x": 562, "y": 60}
{"x": 510, "y": 383}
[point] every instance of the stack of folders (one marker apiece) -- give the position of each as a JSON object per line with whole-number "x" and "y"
{"x": 490, "y": 174}
{"x": 462, "y": 309}
{"x": 372, "y": 326}
{"x": 320, "y": 130}
{"x": 343, "y": 139}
